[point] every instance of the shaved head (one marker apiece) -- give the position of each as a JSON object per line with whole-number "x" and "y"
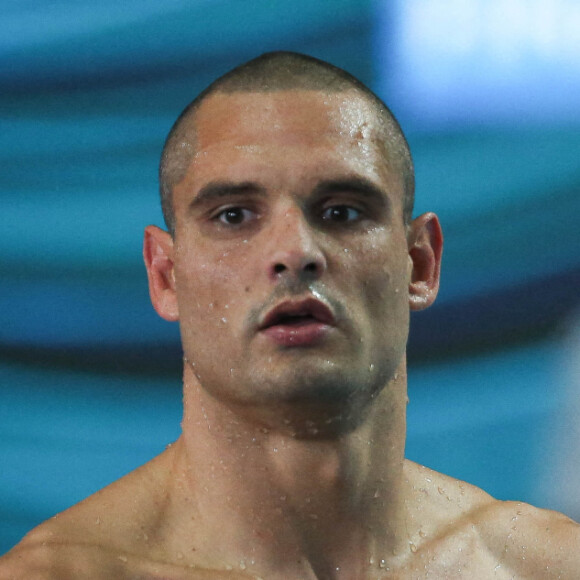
{"x": 279, "y": 71}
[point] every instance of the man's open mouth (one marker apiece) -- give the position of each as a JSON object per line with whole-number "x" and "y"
{"x": 300, "y": 323}
{"x": 300, "y": 313}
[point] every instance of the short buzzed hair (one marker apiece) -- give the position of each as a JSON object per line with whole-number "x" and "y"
{"x": 278, "y": 71}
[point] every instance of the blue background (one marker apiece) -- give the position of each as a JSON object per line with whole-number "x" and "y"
{"x": 90, "y": 377}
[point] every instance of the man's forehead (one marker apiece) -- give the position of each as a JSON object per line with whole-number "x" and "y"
{"x": 288, "y": 141}
{"x": 224, "y": 116}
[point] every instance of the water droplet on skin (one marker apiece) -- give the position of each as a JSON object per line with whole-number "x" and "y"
{"x": 242, "y": 565}
{"x": 412, "y": 547}
{"x": 98, "y": 521}
{"x": 371, "y": 368}
{"x": 440, "y": 490}
{"x": 382, "y": 563}
{"x": 422, "y": 534}
{"x": 205, "y": 417}
{"x": 377, "y": 494}
{"x": 224, "y": 320}
{"x": 123, "y": 559}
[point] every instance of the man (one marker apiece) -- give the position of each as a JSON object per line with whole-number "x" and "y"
{"x": 292, "y": 263}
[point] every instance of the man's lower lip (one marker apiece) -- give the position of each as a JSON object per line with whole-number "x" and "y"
{"x": 292, "y": 335}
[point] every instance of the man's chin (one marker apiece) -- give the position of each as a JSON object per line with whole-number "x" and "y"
{"x": 312, "y": 400}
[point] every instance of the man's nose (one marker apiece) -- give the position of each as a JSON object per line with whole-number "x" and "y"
{"x": 295, "y": 252}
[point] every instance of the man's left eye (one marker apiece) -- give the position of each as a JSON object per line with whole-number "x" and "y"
{"x": 341, "y": 213}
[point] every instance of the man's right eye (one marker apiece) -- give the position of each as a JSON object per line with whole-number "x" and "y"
{"x": 234, "y": 216}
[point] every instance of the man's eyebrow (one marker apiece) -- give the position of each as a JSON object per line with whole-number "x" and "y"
{"x": 352, "y": 184}
{"x": 219, "y": 189}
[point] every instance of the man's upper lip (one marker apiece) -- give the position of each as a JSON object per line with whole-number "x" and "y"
{"x": 308, "y": 307}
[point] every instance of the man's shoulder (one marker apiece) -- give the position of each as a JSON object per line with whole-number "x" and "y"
{"x": 91, "y": 539}
{"x": 40, "y": 556}
{"x": 528, "y": 541}
{"x": 536, "y": 542}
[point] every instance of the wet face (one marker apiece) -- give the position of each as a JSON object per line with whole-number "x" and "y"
{"x": 290, "y": 256}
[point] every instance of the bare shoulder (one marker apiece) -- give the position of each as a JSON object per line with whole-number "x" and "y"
{"x": 34, "y": 559}
{"x": 68, "y": 546}
{"x": 516, "y": 538}
{"x": 89, "y": 540}
{"x": 537, "y": 543}
{"x": 37, "y": 560}
{"x": 111, "y": 534}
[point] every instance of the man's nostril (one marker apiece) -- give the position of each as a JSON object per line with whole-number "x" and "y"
{"x": 279, "y": 268}
{"x": 310, "y": 267}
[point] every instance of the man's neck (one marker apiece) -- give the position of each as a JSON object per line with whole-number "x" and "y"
{"x": 260, "y": 495}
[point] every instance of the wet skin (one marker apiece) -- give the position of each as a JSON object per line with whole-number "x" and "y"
{"x": 290, "y": 465}
{"x": 291, "y": 198}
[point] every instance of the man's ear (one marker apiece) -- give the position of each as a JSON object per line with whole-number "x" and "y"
{"x": 425, "y": 243}
{"x": 158, "y": 256}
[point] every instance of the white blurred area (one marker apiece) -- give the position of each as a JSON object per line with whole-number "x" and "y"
{"x": 484, "y": 61}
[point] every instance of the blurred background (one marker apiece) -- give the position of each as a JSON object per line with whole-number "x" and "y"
{"x": 488, "y": 92}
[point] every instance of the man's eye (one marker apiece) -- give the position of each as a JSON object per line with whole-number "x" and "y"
{"x": 234, "y": 216}
{"x": 340, "y": 213}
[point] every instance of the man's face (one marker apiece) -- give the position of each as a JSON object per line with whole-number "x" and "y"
{"x": 290, "y": 256}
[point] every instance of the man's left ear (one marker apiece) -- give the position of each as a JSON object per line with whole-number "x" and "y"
{"x": 425, "y": 243}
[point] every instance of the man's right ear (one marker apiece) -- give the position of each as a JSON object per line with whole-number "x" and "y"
{"x": 158, "y": 256}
